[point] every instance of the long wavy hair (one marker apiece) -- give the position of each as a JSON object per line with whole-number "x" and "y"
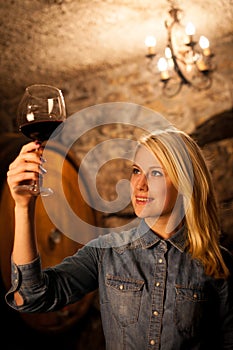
{"x": 186, "y": 166}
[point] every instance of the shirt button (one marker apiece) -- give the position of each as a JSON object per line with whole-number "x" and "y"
{"x": 16, "y": 280}
{"x": 152, "y": 342}
{"x": 160, "y": 261}
{"x": 121, "y": 287}
{"x": 157, "y": 284}
{"x": 155, "y": 313}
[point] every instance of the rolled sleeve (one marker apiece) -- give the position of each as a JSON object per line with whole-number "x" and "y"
{"x": 24, "y": 278}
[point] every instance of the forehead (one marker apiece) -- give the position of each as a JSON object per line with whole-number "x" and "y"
{"x": 144, "y": 158}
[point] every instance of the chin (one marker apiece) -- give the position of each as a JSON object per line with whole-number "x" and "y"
{"x": 142, "y": 214}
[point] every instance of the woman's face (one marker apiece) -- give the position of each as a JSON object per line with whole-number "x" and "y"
{"x": 153, "y": 194}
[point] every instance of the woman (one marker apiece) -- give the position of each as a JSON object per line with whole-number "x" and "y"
{"x": 166, "y": 284}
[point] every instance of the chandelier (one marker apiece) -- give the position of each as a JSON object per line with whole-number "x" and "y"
{"x": 185, "y": 61}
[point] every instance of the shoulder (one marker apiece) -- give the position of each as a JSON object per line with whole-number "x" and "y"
{"x": 114, "y": 239}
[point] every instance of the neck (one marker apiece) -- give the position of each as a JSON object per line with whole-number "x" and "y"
{"x": 165, "y": 227}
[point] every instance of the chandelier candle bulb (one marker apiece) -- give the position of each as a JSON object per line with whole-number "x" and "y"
{"x": 202, "y": 66}
{"x": 204, "y": 44}
{"x": 168, "y": 55}
{"x": 190, "y": 31}
{"x": 150, "y": 42}
{"x": 163, "y": 68}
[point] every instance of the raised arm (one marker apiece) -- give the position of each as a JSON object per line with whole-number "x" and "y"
{"x": 26, "y": 167}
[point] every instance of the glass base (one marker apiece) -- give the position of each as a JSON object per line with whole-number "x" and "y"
{"x": 35, "y": 190}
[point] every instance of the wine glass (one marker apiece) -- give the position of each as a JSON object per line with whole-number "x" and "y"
{"x": 40, "y": 111}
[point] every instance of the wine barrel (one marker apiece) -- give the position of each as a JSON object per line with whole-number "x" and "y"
{"x": 53, "y": 244}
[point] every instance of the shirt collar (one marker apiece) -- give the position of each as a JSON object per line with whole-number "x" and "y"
{"x": 148, "y": 238}
{"x": 179, "y": 239}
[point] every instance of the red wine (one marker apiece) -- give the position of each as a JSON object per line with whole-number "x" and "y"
{"x": 40, "y": 130}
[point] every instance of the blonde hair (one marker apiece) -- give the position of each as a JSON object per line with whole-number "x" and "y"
{"x": 185, "y": 164}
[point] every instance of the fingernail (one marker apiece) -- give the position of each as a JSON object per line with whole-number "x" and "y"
{"x": 37, "y": 142}
{"x": 43, "y": 159}
{"x": 44, "y": 171}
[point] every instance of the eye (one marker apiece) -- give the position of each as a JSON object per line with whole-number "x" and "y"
{"x": 135, "y": 171}
{"x": 156, "y": 173}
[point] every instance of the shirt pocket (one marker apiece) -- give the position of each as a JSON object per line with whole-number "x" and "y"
{"x": 124, "y": 295}
{"x": 190, "y": 304}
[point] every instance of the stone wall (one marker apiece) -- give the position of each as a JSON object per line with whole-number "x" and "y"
{"x": 132, "y": 82}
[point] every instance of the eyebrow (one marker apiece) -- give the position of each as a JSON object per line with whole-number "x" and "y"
{"x": 151, "y": 167}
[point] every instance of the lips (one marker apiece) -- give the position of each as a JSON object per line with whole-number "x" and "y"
{"x": 143, "y": 200}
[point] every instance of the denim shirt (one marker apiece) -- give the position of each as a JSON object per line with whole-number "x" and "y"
{"x": 152, "y": 294}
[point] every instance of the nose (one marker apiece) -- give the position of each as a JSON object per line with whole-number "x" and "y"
{"x": 142, "y": 184}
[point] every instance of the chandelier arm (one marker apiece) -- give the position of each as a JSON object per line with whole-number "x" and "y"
{"x": 171, "y": 89}
{"x": 175, "y": 59}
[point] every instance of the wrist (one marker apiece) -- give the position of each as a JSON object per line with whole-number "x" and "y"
{"x": 26, "y": 207}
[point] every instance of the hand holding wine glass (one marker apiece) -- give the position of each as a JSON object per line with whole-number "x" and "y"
{"x": 40, "y": 111}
